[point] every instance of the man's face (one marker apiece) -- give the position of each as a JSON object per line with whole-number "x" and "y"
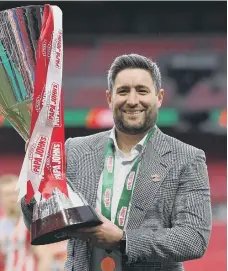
{"x": 8, "y": 196}
{"x": 134, "y": 101}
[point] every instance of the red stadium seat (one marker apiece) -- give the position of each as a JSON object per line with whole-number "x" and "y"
{"x": 212, "y": 92}
{"x": 215, "y": 257}
{"x": 218, "y": 180}
{"x": 89, "y": 98}
{"x": 74, "y": 58}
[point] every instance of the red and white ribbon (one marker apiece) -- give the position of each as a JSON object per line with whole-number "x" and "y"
{"x": 44, "y": 165}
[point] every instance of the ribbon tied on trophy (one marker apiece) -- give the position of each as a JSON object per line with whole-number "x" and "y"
{"x": 44, "y": 162}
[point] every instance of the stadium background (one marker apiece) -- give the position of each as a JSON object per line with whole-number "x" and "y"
{"x": 188, "y": 40}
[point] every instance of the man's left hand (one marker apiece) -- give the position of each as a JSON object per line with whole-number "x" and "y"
{"x": 105, "y": 236}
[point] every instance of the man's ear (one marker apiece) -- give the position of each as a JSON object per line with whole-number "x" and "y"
{"x": 109, "y": 98}
{"x": 160, "y": 97}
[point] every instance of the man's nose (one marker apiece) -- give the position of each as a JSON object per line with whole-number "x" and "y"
{"x": 132, "y": 98}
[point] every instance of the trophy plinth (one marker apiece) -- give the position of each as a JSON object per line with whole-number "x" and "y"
{"x": 53, "y": 218}
{"x": 54, "y": 228}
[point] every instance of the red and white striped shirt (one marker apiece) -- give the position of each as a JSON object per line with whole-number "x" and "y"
{"x": 15, "y": 247}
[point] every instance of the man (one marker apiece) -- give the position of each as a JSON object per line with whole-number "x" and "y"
{"x": 151, "y": 190}
{"x": 16, "y": 252}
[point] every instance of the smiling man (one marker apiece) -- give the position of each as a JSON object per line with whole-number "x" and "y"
{"x": 151, "y": 190}
{"x": 134, "y": 101}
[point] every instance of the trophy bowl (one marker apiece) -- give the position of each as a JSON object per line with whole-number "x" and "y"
{"x": 20, "y": 30}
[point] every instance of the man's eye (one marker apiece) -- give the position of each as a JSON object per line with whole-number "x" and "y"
{"x": 142, "y": 91}
{"x": 122, "y": 91}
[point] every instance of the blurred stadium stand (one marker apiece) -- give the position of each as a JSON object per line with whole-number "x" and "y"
{"x": 188, "y": 72}
{"x": 188, "y": 40}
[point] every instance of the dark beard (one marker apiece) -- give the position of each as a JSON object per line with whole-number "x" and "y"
{"x": 148, "y": 122}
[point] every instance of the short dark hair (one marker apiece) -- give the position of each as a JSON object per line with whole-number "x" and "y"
{"x": 134, "y": 61}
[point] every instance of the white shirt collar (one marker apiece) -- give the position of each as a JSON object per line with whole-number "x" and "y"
{"x": 138, "y": 147}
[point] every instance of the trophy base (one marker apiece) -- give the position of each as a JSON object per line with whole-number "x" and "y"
{"x": 54, "y": 228}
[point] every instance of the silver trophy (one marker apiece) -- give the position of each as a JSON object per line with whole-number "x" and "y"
{"x": 19, "y": 34}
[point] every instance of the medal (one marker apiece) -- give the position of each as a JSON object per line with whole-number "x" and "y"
{"x": 108, "y": 264}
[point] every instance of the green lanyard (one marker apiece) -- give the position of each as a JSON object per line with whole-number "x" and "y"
{"x": 107, "y": 185}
